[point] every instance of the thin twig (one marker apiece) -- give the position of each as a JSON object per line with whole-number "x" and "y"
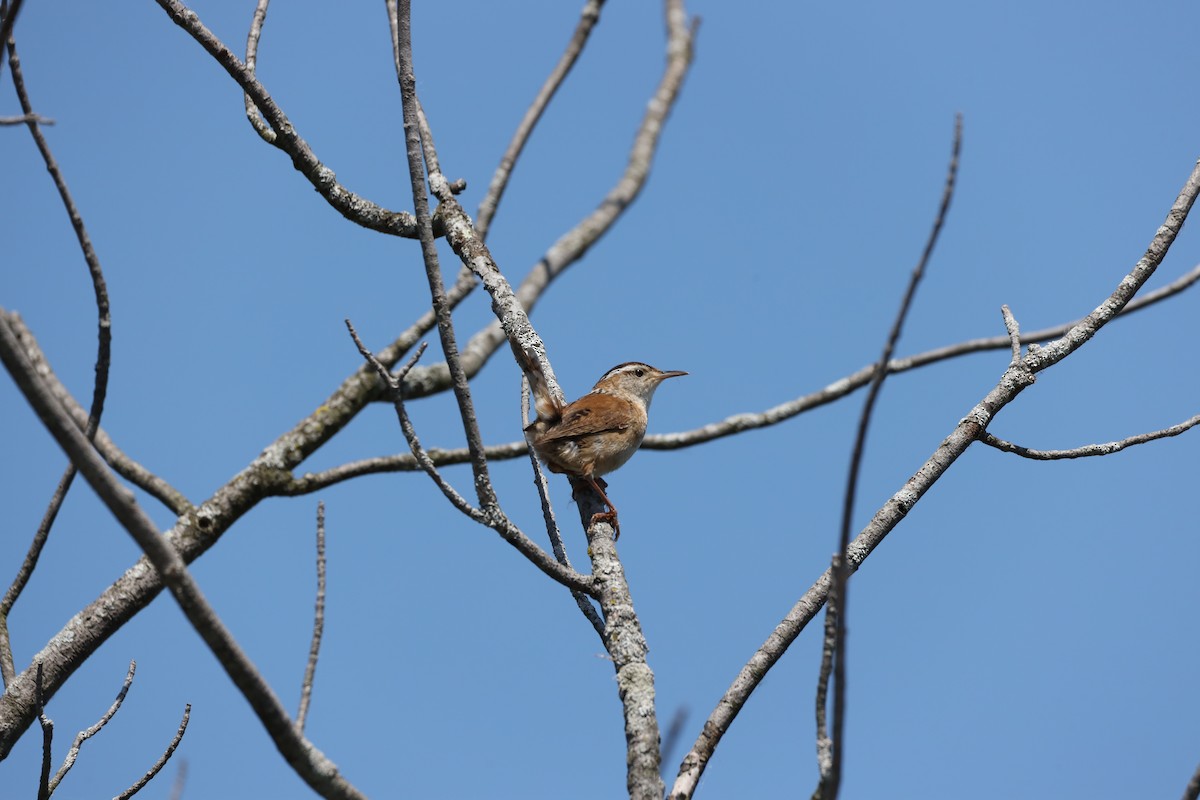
{"x": 103, "y": 361}
{"x": 491, "y": 201}
{"x": 831, "y": 781}
{"x": 400, "y": 462}
{"x": 828, "y": 647}
{"x": 252, "y": 113}
{"x": 162, "y": 760}
{"x": 8, "y": 19}
{"x": 88, "y": 733}
{"x": 1089, "y": 450}
{"x": 314, "y": 648}
{"x": 1014, "y": 334}
{"x": 308, "y": 762}
{"x": 395, "y": 384}
{"x": 26, "y": 119}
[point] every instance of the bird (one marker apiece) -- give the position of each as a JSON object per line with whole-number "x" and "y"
{"x": 597, "y": 433}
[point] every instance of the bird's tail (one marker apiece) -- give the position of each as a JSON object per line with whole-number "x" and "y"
{"x": 548, "y": 409}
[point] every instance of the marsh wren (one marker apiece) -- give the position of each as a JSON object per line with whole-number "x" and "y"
{"x": 597, "y": 433}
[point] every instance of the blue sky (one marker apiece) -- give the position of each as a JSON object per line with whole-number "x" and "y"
{"x": 1029, "y": 630}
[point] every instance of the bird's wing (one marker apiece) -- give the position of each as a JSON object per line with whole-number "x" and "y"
{"x": 600, "y": 414}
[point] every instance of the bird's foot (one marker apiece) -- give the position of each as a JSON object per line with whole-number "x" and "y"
{"x": 611, "y": 518}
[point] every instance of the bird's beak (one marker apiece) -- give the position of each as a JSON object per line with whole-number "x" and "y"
{"x": 672, "y": 374}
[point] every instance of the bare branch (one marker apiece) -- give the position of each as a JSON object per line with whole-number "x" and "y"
{"x": 1106, "y": 449}
{"x": 1044, "y": 357}
{"x": 1014, "y": 334}
{"x": 552, "y": 530}
{"x": 256, "y": 25}
{"x": 1192, "y": 790}
{"x": 572, "y": 245}
{"x": 416, "y": 148}
{"x": 1014, "y": 380}
{"x": 47, "y": 738}
{"x": 103, "y": 359}
{"x": 314, "y": 649}
{"x": 8, "y": 19}
{"x": 400, "y": 462}
{"x": 491, "y": 201}
{"x": 357, "y": 209}
{"x": 828, "y": 647}
{"x": 24, "y": 119}
{"x": 843, "y": 386}
{"x": 198, "y": 527}
{"x": 124, "y": 466}
{"x": 311, "y": 765}
{"x": 410, "y": 433}
{"x": 162, "y": 760}
{"x": 498, "y": 522}
{"x": 88, "y": 733}
{"x": 831, "y": 781}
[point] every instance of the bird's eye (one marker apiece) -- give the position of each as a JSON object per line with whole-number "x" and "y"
{"x": 639, "y": 372}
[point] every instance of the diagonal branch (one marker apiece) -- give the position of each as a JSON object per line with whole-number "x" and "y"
{"x": 831, "y": 779}
{"x": 357, "y": 209}
{"x": 252, "y": 113}
{"x": 309, "y": 763}
{"x": 1014, "y": 380}
{"x": 491, "y": 201}
{"x": 141, "y": 782}
{"x": 198, "y": 527}
{"x": 418, "y": 147}
{"x": 103, "y": 357}
{"x": 87, "y": 733}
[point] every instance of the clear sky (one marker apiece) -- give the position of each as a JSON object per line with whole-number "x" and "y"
{"x": 1030, "y": 630}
